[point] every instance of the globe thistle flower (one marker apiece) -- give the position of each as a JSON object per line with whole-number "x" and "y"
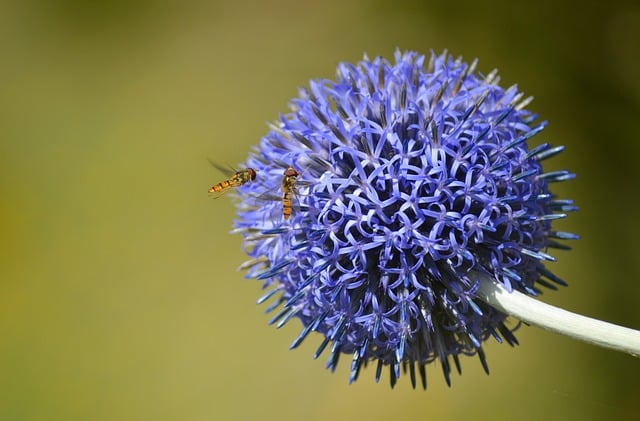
{"x": 412, "y": 181}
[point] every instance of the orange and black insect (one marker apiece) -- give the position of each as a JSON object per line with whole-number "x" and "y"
{"x": 288, "y": 189}
{"x": 237, "y": 179}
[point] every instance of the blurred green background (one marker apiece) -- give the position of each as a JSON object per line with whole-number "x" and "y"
{"x": 119, "y": 296}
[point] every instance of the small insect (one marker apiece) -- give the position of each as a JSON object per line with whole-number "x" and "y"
{"x": 288, "y": 189}
{"x": 237, "y": 179}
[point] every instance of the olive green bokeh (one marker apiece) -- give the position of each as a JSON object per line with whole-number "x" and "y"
{"x": 120, "y": 298}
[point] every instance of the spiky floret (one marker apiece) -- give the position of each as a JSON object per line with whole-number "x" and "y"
{"x": 413, "y": 176}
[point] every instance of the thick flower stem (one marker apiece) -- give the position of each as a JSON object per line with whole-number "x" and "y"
{"x": 557, "y": 320}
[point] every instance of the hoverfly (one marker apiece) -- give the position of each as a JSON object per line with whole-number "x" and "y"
{"x": 290, "y": 184}
{"x": 239, "y": 178}
{"x": 288, "y": 187}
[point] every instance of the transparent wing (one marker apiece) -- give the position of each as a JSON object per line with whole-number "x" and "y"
{"x": 228, "y": 171}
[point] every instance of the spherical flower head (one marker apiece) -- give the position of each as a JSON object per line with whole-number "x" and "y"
{"x": 413, "y": 177}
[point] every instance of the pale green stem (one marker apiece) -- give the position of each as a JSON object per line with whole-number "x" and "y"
{"x": 537, "y": 313}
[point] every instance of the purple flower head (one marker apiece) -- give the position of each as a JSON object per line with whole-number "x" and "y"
{"x": 413, "y": 177}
